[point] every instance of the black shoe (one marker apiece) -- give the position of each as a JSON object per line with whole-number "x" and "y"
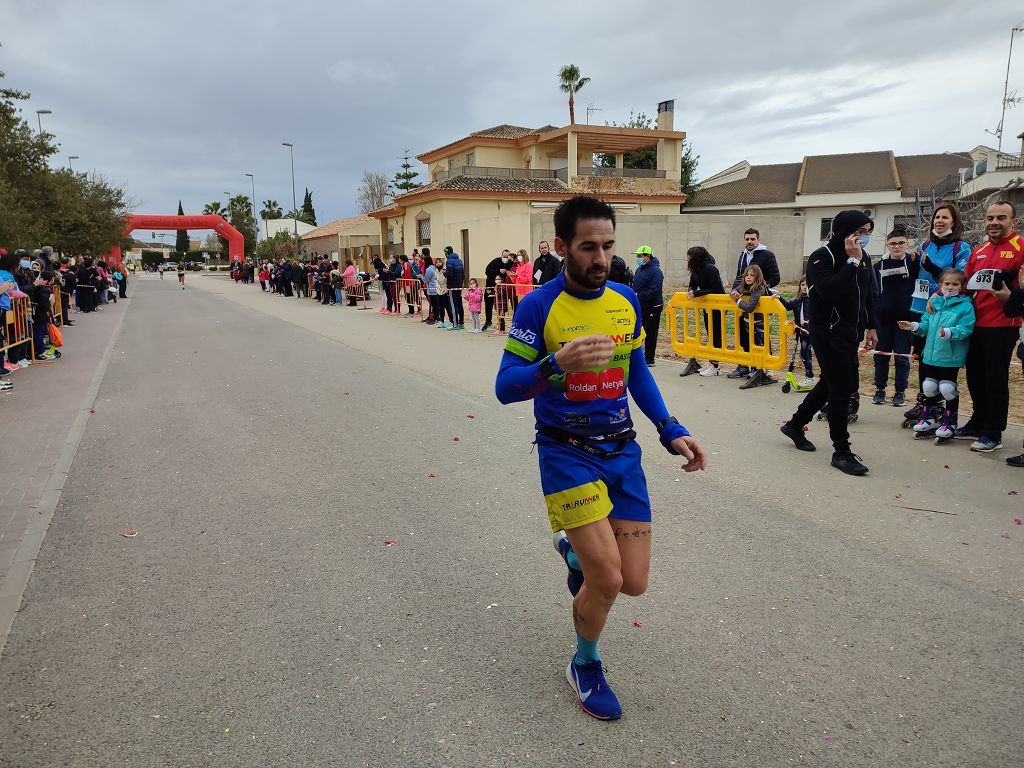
{"x": 739, "y": 373}
{"x": 879, "y": 398}
{"x": 691, "y": 368}
{"x": 650, "y": 364}
{"x": 757, "y": 378}
{"x": 848, "y": 462}
{"x": 1016, "y": 461}
{"x": 797, "y": 436}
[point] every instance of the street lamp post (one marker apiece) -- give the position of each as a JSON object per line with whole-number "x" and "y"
{"x": 70, "y": 158}
{"x": 39, "y": 118}
{"x": 295, "y": 207}
{"x": 253, "y": 180}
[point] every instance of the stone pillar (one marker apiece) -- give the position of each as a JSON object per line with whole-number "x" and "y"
{"x": 619, "y": 161}
{"x": 574, "y": 157}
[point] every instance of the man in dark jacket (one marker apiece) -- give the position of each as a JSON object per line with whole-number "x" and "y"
{"x": 754, "y": 252}
{"x": 648, "y": 284}
{"x": 497, "y": 267}
{"x": 840, "y": 310}
{"x": 546, "y": 266}
{"x": 455, "y": 274}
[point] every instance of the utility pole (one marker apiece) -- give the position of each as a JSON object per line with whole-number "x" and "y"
{"x": 1008, "y": 98}
{"x": 253, "y": 180}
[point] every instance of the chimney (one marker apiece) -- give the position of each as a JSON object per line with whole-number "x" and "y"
{"x": 666, "y": 115}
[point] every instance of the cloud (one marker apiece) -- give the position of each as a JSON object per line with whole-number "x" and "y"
{"x": 349, "y": 72}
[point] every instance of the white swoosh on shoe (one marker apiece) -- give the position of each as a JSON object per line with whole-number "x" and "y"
{"x": 584, "y": 695}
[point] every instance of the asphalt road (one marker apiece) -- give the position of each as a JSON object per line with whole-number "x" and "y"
{"x": 267, "y": 450}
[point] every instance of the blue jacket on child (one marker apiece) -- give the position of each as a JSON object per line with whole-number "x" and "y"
{"x": 955, "y": 313}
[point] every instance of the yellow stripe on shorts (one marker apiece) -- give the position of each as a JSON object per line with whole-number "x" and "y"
{"x": 578, "y": 506}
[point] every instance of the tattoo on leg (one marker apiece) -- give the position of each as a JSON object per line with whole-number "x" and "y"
{"x": 636, "y": 533}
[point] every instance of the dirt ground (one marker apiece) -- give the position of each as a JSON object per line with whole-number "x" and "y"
{"x": 1016, "y": 413}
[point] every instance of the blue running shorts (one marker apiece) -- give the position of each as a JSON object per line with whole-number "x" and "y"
{"x": 580, "y": 488}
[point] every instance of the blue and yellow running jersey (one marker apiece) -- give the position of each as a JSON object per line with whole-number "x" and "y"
{"x": 588, "y": 403}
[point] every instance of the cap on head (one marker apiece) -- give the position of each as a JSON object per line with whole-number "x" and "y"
{"x": 643, "y": 250}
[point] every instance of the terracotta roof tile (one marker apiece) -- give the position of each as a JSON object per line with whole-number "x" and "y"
{"x": 337, "y": 226}
{"x": 504, "y": 131}
{"x": 925, "y": 171}
{"x": 856, "y": 172}
{"x": 764, "y": 184}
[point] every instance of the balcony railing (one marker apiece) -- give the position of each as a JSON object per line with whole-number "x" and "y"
{"x": 1009, "y": 161}
{"x": 623, "y": 173}
{"x": 494, "y": 173}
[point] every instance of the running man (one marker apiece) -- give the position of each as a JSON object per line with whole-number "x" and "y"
{"x": 181, "y": 274}
{"x": 575, "y": 348}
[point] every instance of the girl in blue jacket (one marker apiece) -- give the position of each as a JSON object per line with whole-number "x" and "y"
{"x": 947, "y": 333}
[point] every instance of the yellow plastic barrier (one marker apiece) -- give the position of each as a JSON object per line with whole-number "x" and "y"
{"x": 688, "y": 326}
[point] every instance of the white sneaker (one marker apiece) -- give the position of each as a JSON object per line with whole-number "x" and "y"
{"x": 808, "y": 382}
{"x": 709, "y": 370}
{"x": 24, "y": 362}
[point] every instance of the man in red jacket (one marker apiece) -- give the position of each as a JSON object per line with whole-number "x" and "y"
{"x": 988, "y": 359}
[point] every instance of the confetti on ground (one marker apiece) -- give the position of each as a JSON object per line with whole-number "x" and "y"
{"x": 388, "y": 542}
{"x": 1018, "y": 521}
{"x": 1012, "y": 493}
{"x": 899, "y": 495}
{"x": 455, "y": 439}
{"x": 638, "y": 623}
{"x": 470, "y": 416}
{"x": 154, "y": 717}
{"x": 92, "y": 410}
{"x": 828, "y": 738}
{"x": 129, "y": 534}
{"x": 431, "y": 474}
{"x": 492, "y": 605}
{"x": 1004, "y": 535}
{"x": 945, "y": 466}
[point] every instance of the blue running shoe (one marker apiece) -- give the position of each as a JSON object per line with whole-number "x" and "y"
{"x": 985, "y": 445}
{"x": 592, "y": 691}
{"x": 575, "y": 578}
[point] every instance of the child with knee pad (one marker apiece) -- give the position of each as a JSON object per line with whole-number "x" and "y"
{"x": 947, "y": 333}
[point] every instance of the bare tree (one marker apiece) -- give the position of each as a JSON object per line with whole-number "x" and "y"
{"x": 374, "y": 192}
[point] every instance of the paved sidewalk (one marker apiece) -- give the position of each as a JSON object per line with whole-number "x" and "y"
{"x": 44, "y": 417}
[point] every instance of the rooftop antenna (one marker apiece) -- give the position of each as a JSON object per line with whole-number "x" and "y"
{"x": 1009, "y": 99}
{"x": 592, "y": 108}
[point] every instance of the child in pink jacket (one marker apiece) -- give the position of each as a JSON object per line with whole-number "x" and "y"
{"x": 474, "y": 297}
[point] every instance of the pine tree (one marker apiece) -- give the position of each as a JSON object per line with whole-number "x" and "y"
{"x": 181, "y": 243}
{"x": 307, "y": 214}
{"x": 405, "y": 178}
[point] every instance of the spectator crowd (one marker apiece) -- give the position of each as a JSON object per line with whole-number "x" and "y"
{"x": 37, "y": 292}
{"x": 921, "y": 308}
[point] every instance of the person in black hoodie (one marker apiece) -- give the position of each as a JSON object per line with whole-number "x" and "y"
{"x": 705, "y": 279}
{"x": 895, "y": 277}
{"x": 496, "y": 267}
{"x": 840, "y": 311}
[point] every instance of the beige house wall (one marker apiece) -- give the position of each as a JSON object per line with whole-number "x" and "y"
{"x": 671, "y": 235}
{"x": 498, "y": 157}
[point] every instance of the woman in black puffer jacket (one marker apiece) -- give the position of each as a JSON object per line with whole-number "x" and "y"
{"x": 705, "y": 279}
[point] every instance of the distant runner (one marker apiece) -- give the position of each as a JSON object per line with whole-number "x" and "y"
{"x": 575, "y": 348}
{"x": 181, "y": 274}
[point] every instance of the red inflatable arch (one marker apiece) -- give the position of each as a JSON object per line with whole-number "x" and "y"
{"x": 133, "y": 221}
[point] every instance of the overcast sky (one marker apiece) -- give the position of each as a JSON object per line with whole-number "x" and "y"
{"x": 181, "y": 100}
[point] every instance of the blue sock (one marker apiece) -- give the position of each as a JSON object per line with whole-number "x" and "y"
{"x": 586, "y": 651}
{"x": 574, "y": 562}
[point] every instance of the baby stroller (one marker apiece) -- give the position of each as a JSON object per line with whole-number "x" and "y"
{"x": 112, "y": 292}
{"x": 791, "y": 382}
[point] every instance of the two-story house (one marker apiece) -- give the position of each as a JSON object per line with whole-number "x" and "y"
{"x": 495, "y": 188}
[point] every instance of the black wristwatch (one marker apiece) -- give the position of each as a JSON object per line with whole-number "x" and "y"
{"x": 666, "y": 422}
{"x": 549, "y": 368}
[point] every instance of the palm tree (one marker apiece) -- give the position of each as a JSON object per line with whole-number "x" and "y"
{"x": 271, "y": 210}
{"x": 571, "y": 82}
{"x": 215, "y": 209}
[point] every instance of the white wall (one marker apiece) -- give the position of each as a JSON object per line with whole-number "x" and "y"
{"x": 270, "y": 227}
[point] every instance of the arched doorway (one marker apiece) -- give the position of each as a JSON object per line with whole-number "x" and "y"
{"x": 134, "y": 221}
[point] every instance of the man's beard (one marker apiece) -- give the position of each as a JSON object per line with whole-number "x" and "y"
{"x": 591, "y": 279}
